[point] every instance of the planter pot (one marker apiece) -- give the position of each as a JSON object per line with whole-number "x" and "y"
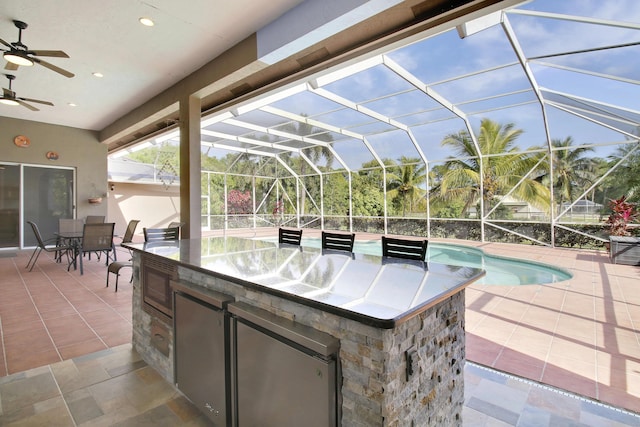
{"x": 624, "y": 250}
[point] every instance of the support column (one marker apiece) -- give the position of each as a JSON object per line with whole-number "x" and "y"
{"x": 190, "y": 167}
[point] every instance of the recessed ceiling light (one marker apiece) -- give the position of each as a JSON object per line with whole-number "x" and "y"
{"x": 71, "y": 104}
{"x": 146, "y": 21}
{"x": 97, "y": 74}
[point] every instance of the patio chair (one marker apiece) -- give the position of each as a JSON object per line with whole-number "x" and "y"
{"x": 157, "y": 234}
{"x": 116, "y": 266}
{"x": 130, "y": 231}
{"x": 98, "y": 238}
{"x": 57, "y": 249}
{"x": 404, "y": 248}
{"x": 70, "y": 225}
{"x": 178, "y": 224}
{"x": 94, "y": 219}
{"x": 338, "y": 241}
{"x": 289, "y": 236}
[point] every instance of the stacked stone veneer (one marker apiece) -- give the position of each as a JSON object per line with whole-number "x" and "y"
{"x": 374, "y": 388}
{"x": 142, "y": 336}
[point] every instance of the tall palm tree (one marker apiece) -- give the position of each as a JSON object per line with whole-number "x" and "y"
{"x": 572, "y": 172}
{"x": 502, "y": 167}
{"x": 405, "y": 181}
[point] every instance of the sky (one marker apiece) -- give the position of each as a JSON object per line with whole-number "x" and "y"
{"x": 480, "y": 76}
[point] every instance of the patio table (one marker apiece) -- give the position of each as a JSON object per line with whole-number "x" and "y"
{"x": 75, "y": 240}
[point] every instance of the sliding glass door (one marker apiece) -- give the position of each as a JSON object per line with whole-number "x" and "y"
{"x": 9, "y": 205}
{"x": 48, "y": 196}
{"x": 33, "y": 193}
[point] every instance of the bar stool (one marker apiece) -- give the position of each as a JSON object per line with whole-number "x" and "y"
{"x": 338, "y": 241}
{"x": 291, "y": 237}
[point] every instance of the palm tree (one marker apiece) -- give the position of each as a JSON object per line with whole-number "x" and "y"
{"x": 405, "y": 181}
{"x": 315, "y": 153}
{"x": 502, "y": 167}
{"x": 572, "y": 172}
{"x": 625, "y": 179}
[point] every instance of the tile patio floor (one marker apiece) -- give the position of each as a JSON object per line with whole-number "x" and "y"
{"x": 51, "y": 314}
{"x": 581, "y": 335}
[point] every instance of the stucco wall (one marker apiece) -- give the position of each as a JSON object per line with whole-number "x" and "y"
{"x": 76, "y": 148}
{"x": 154, "y": 205}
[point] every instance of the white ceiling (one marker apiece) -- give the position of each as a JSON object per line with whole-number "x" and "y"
{"x": 137, "y": 62}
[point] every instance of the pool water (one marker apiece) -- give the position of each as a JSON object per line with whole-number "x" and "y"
{"x": 500, "y": 270}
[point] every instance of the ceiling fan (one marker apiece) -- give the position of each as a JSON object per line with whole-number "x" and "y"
{"x": 19, "y": 54}
{"x": 9, "y": 97}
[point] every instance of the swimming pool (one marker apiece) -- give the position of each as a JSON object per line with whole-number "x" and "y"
{"x": 500, "y": 270}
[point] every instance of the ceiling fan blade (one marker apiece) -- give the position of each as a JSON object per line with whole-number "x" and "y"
{"x": 52, "y": 53}
{"x": 53, "y": 67}
{"x": 24, "y": 104}
{"x": 6, "y": 44}
{"x": 36, "y": 100}
{"x": 11, "y": 66}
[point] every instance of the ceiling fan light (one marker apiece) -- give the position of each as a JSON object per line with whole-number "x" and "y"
{"x": 18, "y": 59}
{"x": 8, "y": 101}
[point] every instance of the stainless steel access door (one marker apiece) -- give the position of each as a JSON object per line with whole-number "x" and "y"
{"x": 201, "y": 359}
{"x": 280, "y": 385}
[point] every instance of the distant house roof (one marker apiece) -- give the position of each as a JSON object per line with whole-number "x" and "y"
{"x": 127, "y": 170}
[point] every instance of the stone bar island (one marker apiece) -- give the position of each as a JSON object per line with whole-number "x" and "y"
{"x": 259, "y": 333}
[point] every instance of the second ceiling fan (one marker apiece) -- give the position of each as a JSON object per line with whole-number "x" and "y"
{"x": 19, "y": 54}
{"x": 9, "y": 97}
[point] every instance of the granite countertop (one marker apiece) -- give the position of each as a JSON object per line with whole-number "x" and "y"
{"x": 367, "y": 288}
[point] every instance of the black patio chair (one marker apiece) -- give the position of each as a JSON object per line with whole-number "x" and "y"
{"x": 158, "y": 234}
{"x": 57, "y": 249}
{"x": 338, "y": 241}
{"x": 404, "y": 248}
{"x": 178, "y": 224}
{"x": 289, "y": 236}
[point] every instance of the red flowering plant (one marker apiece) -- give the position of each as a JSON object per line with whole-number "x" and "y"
{"x": 239, "y": 202}
{"x": 278, "y": 212}
{"x": 622, "y": 214}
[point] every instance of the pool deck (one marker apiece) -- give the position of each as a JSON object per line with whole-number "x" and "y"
{"x": 581, "y": 335}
